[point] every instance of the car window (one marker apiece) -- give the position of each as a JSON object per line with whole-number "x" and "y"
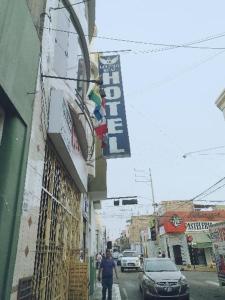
{"x": 130, "y": 254}
{"x": 160, "y": 266}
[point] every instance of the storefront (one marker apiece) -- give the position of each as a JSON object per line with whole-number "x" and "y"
{"x": 184, "y": 236}
{"x": 199, "y": 242}
{"x": 172, "y": 239}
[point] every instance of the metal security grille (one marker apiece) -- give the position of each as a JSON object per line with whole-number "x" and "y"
{"x": 58, "y": 231}
{"x": 25, "y": 289}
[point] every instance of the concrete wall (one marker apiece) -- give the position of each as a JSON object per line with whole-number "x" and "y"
{"x": 208, "y": 256}
{"x": 152, "y": 249}
{"x": 172, "y": 240}
{"x": 138, "y": 223}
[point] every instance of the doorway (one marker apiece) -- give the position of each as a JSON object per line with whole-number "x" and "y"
{"x": 177, "y": 254}
{"x": 200, "y": 257}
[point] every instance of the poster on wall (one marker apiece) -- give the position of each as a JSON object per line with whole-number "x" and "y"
{"x": 217, "y": 235}
{"x": 118, "y": 144}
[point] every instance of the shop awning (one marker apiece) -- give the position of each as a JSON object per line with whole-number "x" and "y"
{"x": 201, "y": 240}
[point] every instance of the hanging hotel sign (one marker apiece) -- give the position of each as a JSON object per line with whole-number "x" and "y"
{"x": 198, "y": 226}
{"x": 118, "y": 140}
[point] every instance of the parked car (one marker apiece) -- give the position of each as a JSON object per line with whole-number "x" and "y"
{"x": 161, "y": 279}
{"x": 130, "y": 260}
{"x": 119, "y": 259}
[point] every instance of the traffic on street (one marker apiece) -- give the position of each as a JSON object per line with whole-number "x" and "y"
{"x": 203, "y": 286}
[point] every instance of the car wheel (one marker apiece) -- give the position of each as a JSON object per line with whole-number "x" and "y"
{"x": 140, "y": 288}
{"x": 122, "y": 269}
{"x": 187, "y": 298}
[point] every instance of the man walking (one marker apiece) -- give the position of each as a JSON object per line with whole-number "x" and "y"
{"x": 106, "y": 274}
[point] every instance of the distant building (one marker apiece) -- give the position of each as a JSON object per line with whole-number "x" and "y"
{"x": 137, "y": 225}
{"x": 184, "y": 237}
{"x": 175, "y": 205}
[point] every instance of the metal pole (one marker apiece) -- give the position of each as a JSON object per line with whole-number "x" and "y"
{"x": 153, "y": 197}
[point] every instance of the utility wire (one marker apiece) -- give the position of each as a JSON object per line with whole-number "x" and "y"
{"x": 201, "y": 194}
{"x": 190, "y": 45}
{"x": 213, "y": 191}
{"x": 202, "y": 150}
{"x": 71, "y": 5}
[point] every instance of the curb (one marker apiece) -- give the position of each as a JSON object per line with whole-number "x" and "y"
{"x": 117, "y": 295}
{"x": 198, "y": 270}
{"x": 98, "y": 292}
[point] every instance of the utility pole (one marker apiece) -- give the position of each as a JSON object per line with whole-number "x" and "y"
{"x": 147, "y": 180}
{"x": 153, "y": 197}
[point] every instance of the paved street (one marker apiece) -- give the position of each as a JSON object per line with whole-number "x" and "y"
{"x": 204, "y": 286}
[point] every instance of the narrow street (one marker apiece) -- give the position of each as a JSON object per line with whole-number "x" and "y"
{"x": 203, "y": 285}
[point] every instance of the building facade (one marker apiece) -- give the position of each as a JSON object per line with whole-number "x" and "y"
{"x": 62, "y": 180}
{"x": 136, "y": 227}
{"x": 184, "y": 236}
{"x": 20, "y": 41}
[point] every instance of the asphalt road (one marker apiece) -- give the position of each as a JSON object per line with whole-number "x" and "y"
{"x": 203, "y": 286}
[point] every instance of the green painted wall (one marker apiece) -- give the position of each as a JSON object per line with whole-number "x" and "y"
{"x": 19, "y": 57}
{"x": 19, "y": 48}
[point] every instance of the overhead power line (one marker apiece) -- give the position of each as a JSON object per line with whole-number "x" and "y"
{"x": 183, "y": 45}
{"x": 202, "y": 150}
{"x": 71, "y": 5}
{"x": 201, "y": 194}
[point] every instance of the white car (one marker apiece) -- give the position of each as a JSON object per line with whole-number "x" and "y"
{"x": 130, "y": 260}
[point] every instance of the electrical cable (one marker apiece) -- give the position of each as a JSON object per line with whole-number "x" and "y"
{"x": 211, "y": 192}
{"x": 201, "y": 194}
{"x": 71, "y": 5}
{"x": 202, "y": 150}
{"x": 190, "y": 45}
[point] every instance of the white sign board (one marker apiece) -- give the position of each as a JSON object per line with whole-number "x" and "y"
{"x": 63, "y": 135}
{"x": 198, "y": 226}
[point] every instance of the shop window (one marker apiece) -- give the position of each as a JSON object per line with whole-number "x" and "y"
{"x": 2, "y": 119}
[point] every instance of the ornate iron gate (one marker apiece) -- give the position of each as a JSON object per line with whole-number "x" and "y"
{"x": 58, "y": 231}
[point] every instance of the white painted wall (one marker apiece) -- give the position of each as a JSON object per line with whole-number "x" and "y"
{"x": 208, "y": 256}
{"x": 175, "y": 239}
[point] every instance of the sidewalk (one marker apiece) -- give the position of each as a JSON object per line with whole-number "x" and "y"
{"x": 98, "y": 292}
{"x": 199, "y": 268}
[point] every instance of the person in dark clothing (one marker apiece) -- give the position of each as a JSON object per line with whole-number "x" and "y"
{"x": 106, "y": 274}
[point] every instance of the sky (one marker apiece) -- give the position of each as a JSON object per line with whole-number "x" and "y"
{"x": 170, "y": 96}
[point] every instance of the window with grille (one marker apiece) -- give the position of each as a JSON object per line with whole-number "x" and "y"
{"x": 58, "y": 230}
